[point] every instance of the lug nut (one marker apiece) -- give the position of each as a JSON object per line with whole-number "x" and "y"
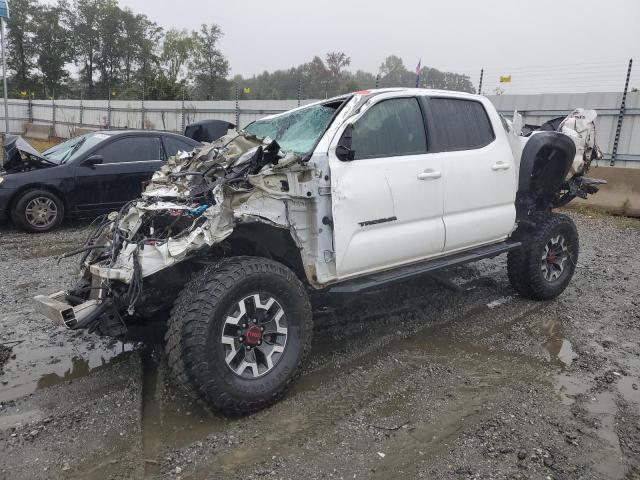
{"x": 259, "y": 342}
{"x": 262, "y": 329}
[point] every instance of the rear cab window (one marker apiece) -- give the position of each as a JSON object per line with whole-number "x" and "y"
{"x": 458, "y": 124}
{"x": 391, "y": 127}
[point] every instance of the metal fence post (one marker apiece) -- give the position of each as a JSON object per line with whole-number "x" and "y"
{"x": 81, "y": 109}
{"x": 616, "y": 140}
{"x": 53, "y": 107}
{"x": 299, "y": 90}
{"x": 30, "y": 108}
{"x": 142, "y": 110}
{"x": 109, "y": 109}
{"x": 377, "y": 80}
{"x": 480, "y": 84}
{"x": 182, "y": 112}
{"x": 237, "y": 109}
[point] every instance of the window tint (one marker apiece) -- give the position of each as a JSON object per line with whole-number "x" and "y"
{"x": 132, "y": 149}
{"x": 391, "y": 127}
{"x": 459, "y": 124}
{"x": 174, "y": 145}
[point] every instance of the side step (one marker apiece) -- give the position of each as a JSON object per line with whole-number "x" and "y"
{"x": 429, "y": 266}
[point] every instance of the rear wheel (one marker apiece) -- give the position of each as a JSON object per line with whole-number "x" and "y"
{"x": 37, "y": 211}
{"x": 545, "y": 264}
{"x": 239, "y": 333}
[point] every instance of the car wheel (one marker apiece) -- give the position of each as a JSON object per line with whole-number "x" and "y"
{"x": 543, "y": 267}
{"x": 37, "y": 211}
{"x": 239, "y": 332}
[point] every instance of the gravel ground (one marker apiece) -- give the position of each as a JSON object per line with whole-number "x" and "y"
{"x": 415, "y": 381}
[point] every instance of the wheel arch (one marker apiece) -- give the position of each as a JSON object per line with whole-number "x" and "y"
{"x": 545, "y": 162}
{"x": 259, "y": 239}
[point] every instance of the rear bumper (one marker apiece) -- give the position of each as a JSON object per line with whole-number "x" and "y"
{"x": 56, "y": 308}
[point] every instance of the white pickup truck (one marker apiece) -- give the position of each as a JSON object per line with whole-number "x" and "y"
{"x": 342, "y": 195}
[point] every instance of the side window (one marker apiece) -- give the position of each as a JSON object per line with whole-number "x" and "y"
{"x": 391, "y": 127}
{"x": 132, "y": 149}
{"x": 459, "y": 124}
{"x": 173, "y": 145}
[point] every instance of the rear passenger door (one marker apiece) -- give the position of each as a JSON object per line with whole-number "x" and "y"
{"x": 387, "y": 202}
{"x": 478, "y": 172}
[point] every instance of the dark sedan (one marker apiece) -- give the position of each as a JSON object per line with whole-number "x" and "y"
{"x": 82, "y": 177}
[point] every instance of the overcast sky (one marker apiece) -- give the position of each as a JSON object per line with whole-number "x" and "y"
{"x": 539, "y": 42}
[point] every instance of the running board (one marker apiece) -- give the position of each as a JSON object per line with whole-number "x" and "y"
{"x": 429, "y": 266}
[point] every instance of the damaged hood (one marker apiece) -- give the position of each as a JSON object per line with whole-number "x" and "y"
{"x": 20, "y": 156}
{"x": 227, "y": 160}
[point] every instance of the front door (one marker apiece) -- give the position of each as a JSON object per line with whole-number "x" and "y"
{"x": 387, "y": 202}
{"x": 127, "y": 162}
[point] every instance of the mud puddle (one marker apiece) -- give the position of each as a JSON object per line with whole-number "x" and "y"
{"x": 30, "y": 369}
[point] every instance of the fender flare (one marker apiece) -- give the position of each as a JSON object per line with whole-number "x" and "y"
{"x": 544, "y": 165}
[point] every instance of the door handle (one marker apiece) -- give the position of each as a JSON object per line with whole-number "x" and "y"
{"x": 429, "y": 173}
{"x": 500, "y": 166}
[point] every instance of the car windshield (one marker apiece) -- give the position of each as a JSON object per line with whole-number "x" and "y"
{"x": 73, "y": 148}
{"x": 296, "y": 131}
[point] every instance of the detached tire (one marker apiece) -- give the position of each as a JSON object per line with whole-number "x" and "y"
{"x": 37, "y": 211}
{"x": 239, "y": 333}
{"x": 545, "y": 264}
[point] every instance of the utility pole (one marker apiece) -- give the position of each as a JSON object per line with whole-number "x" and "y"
{"x": 616, "y": 140}
{"x": 377, "y": 80}
{"x": 480, "y": 84}
{"x": 299, "y": 90}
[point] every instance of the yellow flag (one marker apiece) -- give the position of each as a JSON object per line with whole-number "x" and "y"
{"x": 505, "y": 78}
{"x": 246, "y": 90}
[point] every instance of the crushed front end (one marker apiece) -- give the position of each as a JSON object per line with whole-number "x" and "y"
{"x": 135, "y": 261}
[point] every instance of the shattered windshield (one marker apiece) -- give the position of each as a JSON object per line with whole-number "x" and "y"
{"x": 297, "y": 131}
{"x": 73, "y": 148}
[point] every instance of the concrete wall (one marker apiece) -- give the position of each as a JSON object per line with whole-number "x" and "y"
{"x": 620, "y": 195}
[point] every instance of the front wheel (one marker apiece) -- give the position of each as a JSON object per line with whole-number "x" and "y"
{"x": 37, "y": 211}
{"x": 543, "y": 267}
{"x": 239, "y": 333}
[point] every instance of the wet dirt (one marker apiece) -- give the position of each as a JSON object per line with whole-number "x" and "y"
{"x": 416, "y": 381}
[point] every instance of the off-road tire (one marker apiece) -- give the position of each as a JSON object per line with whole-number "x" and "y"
{"x": 19, "y": 215}
{"x": 195, "y": 353}
{"x": 524, "y": 264}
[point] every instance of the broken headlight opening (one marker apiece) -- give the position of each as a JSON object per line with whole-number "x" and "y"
{"x": 187, "y": 206}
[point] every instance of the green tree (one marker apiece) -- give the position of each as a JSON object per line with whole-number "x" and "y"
{"x": 85, "y": 22}
{"x": 209, "y": 66}
{"x": 53, "y": 45}
{"x": 21, "y": 50}
{"x": 336, "y": 61}
{"x": 111, "y": 44}
{"x": 177, "y": 52}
